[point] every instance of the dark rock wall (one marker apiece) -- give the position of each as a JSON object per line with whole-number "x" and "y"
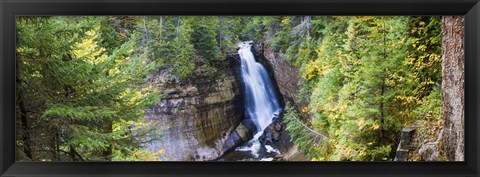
{"x": 287, "y": 78}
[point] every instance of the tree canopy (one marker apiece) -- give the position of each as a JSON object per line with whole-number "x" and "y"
{"x": 81, "y": 90}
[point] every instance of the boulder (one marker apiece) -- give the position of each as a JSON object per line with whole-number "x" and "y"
{"x": 242, "y": 133}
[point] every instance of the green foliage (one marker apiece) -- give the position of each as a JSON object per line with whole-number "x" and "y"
{"x": 108, "y": 36}
{"x": 364, "y": 78}
{"x": 78, "y": 98}
{"x": 368, "y": 77}
{"x": 179, "y": 43}
{"x": 231, "y": 28}
{"x": 205, "y": 36}
{"x": 300, "y": 135}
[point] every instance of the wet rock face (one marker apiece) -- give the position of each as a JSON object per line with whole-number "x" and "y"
{"x": 271, "y": 135}
{"x": 287, "y": 77}
{"x": 194, "y": 118}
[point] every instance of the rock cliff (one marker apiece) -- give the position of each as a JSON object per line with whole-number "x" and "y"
{"x": 195, "y": 117}
{"x": 287, "y": 77}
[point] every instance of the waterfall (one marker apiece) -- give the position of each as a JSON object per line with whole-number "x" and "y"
{"x": 261, "y": 102}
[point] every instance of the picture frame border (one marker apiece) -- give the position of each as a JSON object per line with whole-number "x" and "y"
{"x": 11, "y": 8}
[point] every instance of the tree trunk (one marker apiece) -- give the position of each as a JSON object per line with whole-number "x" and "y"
{"x": 220, "y": 32}
{"x": 107, "y": 154}
{"x": 147, "y": 34}
{"x": 160, "y": 20}
{"x": 382, "y": 115}
{"x": 57, "y": 145}
{"x": 25, "y": 126}
{"x": 453, "y": 87}
{"x": 27, "y": 149}
{"x": 71, "y": 153}
{"x": 382, "y": 90}
{"x": 309, "y": 21}
{"x": 146, "y": 39}
{"x": 177, "y": 26}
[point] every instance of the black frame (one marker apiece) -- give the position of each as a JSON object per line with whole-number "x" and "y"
{"x": 10, "y": 8}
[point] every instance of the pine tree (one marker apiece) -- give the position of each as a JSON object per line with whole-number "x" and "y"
{"x": 367, "y": 78}
{"x": 78, "y": 102}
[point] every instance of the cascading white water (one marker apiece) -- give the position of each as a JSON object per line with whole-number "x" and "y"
{"x": 261, "y": 103}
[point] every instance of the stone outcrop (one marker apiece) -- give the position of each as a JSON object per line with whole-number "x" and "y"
{"x": 277, "y": 137}
{"x": 287, "y": 77}
{"x": 420, "y": 143}
{"x": 432, "y": 151}
{"x": 242, "y": 133}
{"x": 405, "y": 144}
{"x": 195, "y": 117}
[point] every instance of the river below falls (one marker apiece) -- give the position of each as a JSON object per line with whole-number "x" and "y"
{"x": 252, "y": 151}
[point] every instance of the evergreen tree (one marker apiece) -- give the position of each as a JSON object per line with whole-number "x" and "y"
{"x": 205, "y": 40}
{"x": 78, "y": 102}
{"x": 365, "y": 82}
{"x": 81, "y": 91}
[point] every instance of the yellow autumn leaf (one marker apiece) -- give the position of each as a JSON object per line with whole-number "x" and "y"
{"x": 305, "y": 109}
{"x": 160, "y": 152}
{"x": 285, "y": 20}
{"x": 361, "y": 123}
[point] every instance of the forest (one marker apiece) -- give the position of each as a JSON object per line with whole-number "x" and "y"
{"x": 116, "y": 88}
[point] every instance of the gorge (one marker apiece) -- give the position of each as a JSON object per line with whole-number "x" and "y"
{"x": 179, "y": 88}
{"x": 240, "y": 105}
